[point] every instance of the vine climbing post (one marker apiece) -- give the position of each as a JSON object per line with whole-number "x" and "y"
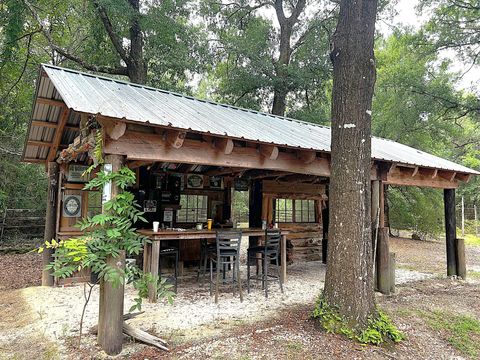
{"x": 110, "y": 314}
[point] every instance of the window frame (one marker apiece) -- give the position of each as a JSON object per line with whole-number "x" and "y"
{"x": 311, "y": 213}
{"x": 196, "y": 209}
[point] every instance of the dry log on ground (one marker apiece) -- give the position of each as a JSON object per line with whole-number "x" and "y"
{"x": 145, "y": 337}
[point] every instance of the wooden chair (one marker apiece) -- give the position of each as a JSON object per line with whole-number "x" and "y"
{"x": 269, "y": 252}
{"x": 227, "y": 254}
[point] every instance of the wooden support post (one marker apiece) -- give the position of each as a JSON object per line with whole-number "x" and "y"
{"x": 325, "y": 223}
{"x": 110, "y": 315}
{"x": 283, "y": 259}
{"x": 463, "y": 217}
{"x": 460, "y": 258}
{"x": 383, "y": 261}
{"x": 393, "y": 265}
{"x": 450, "y": 230}
{"x": 154, "y": 262}
{"x": 375, "y": 226}
{"x": 255, "y": 209}
{"x": 50, "y": 221}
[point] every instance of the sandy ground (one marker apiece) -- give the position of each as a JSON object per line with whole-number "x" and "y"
{"x": 196, "y": 326}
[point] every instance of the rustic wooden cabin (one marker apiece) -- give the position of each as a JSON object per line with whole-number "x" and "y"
{"x": 190, "y": 153}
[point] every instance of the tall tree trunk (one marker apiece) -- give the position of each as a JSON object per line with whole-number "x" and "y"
{"x": 137, "y": 69}
{"x": 281, "y": 88}
{"x": 349, "y": 278}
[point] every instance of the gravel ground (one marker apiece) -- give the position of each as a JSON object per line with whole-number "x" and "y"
{"x": 197, "y": 327}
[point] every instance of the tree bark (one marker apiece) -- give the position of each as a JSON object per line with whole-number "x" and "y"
{"x": 349, "y": 278}
{"x": 281, "y": 87}
{"x": 110, "y": 308}
{"x": 137, "y": 69}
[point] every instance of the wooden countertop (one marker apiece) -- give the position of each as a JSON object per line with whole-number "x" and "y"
{"x": 197, "y": 234}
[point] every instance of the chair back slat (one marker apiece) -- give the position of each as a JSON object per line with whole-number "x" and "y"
{"x": 227, "y": 241}
{"x": 272, "y": 239}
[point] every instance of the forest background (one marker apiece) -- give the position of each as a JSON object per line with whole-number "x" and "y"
{"x": 271, "y": 56}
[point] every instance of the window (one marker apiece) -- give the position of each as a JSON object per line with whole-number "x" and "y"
{"x": 288, "y": 210}
{"x": 193, "y": 208}
{"x": 94, "y": 203}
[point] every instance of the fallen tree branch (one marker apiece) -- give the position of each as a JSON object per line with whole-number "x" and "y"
{"x": 145, "y": 337}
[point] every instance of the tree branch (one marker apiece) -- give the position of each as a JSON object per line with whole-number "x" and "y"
{"x": 107, "y": 24}
{"x": 119, "y": 70}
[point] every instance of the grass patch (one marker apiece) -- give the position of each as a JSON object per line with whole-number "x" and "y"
{"x": 462, "y": 331}
{"x": 472, "y": 240}
{"x": 473, "y": 274}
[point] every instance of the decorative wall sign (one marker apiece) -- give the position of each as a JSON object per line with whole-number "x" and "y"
{"x": 216, "y": 182}
{"x": 240, "y": 184}
{"x": 75, "y": 173}
{"x": 194, "y": 181}
{"x": 72, "y": 206}
{"x": 150, "y": 206}
{"x": 168, "y": 215}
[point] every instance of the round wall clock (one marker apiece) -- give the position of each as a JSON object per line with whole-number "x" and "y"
{"x": 72, "y": 206}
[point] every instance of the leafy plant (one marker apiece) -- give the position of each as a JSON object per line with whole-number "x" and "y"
{"x": 380, "y": 328}
{"x": 106, "y": 235}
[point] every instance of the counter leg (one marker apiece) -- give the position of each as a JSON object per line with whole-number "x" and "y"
{"x": 155, "y": 257}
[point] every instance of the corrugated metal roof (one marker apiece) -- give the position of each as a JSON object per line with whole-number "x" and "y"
{"x": 88, "y": 93}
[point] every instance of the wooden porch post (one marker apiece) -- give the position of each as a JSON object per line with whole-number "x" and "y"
{"x": 110, "y": 315}
{"x": 450, "y": 230}
{"x": 375, "y": 226}
{"x": 255, "y": 209}
{"x": 50, "y": 221}
{"x": 383, "y": 247}
{"x": 325, "y": 223}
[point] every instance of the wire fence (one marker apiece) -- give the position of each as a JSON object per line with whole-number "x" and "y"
{"x": 467, "y": 217}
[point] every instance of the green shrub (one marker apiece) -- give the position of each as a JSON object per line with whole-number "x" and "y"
{"x": 379, "y": 330}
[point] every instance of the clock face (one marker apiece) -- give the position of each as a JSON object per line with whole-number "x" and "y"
{"x": 71, "y": 207}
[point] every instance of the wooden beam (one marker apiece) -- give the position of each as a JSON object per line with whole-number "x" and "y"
{"x": 306, "y": 156}
{"x": 463, "y": 177}
{"x": 447, "y": 175}
{"x": 115, "y": 129}
{"x": 224, "y": 145}
{"x": 268, "y": 151}
{"x": 44, "y": 124}
{"x": 58, "y": 134}
{"x": 176, "y": 138}
{"x": 415, "y": 171}
{"x": 39, "y": 143}
{"x": 50, "y": 222}
{"x": 51, "y": 102}
{"x": 136, "y": 164}
{"x": 52, "y": 125}
{"x": 424, "y": 178}
{"x": 391, "y": 169}
{"x": 140, "y": 146}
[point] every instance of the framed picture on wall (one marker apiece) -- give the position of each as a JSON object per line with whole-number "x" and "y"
{"x": 194, "y": 181}
{"x": 216, "y": 182}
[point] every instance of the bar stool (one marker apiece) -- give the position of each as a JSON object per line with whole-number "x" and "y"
{"x": 206, "y": 250}
{"x": 227, "y": 254}
{"x": 169, "y": 252}
{"x": 268, "y": 252}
